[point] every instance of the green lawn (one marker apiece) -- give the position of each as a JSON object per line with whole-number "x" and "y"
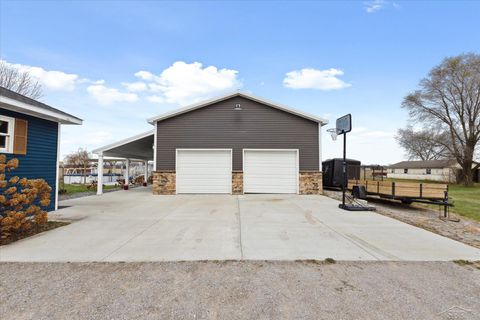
{"x": 466, "y": 200}
{"x": 76, "y": 188}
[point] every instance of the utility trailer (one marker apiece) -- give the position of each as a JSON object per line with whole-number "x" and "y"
{"x": 406, "y": 192}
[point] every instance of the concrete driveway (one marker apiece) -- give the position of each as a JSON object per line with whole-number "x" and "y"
{"x": 137, "y": 226}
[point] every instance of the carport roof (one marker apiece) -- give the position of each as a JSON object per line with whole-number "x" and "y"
{"x": 206, "y": 103}
{"x": 138, "y": 147}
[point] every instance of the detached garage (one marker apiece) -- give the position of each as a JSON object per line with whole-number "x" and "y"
{"x": 235, "y": 144}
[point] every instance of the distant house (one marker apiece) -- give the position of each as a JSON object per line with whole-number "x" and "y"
{"x": 435, "y": 170}
{"x": 30, "y": 132}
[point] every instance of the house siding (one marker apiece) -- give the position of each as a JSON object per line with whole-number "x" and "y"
{"x": 255, "y": 126}
{"x": 40, "y": 162}
{"x": 437, "y": 174}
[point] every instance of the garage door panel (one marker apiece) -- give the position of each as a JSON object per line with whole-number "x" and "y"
{"x": 204, "y": 171}
{"x": 270, "y": 171}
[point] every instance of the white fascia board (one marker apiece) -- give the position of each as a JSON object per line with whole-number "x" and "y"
{"x": 231, "y": 95}
{"x": 122, "y": 142}
{"x": 35, "y": 111}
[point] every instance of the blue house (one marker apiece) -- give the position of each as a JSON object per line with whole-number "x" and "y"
{"x": 30, "y": 132}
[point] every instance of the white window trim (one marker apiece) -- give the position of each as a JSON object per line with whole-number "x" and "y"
{"x": 10, "y": 136}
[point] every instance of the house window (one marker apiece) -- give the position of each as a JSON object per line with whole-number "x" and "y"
{"x": 405, "y": 170}
{"x": 6, "y": 134}
{"x": 429, "y": 171}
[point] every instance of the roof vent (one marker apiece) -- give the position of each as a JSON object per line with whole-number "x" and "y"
{"x": 238, "y": 107}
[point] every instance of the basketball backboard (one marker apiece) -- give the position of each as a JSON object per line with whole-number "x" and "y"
{"x": 344, "y": 124}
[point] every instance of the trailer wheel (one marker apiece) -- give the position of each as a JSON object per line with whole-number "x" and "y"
{"x": 406, "y": 201}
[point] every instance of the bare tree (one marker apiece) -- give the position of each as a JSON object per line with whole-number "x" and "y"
{"x": 449, "y": 101}
{"x": 422, "y": 144}
{"x": 80, "y": 159}
{"x": 19, "y": 81}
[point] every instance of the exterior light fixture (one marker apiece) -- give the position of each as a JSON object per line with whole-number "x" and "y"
{"x": 238, "y": 107}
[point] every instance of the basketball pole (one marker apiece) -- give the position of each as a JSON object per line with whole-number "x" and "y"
{"x": 344, "y": 168}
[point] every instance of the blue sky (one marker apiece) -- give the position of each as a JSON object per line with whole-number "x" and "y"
{"x": 116, "y": 63}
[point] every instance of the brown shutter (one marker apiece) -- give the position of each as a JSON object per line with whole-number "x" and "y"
{"x": 20, "y": 136}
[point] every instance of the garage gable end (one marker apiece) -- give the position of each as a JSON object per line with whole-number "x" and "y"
{"x": 237, "y": 123}
{"x": 265, "y": 102}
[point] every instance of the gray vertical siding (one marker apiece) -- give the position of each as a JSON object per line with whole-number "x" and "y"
{"x": 255, "y": 126}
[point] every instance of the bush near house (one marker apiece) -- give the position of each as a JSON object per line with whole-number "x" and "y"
{"x": 22, "y": 202}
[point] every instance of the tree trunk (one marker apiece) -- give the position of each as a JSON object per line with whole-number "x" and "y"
{"x": 467, "y": 163}
{"x": 467, "y": 173}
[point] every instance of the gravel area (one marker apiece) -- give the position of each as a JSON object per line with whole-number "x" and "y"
{"x": 240, "y": 290}
{"x": 466, "y": 230}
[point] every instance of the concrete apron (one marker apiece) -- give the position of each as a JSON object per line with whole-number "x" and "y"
{"x": 137, "y": 226}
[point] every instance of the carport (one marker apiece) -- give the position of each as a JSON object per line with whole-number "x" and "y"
{"x": 136, "y": 148}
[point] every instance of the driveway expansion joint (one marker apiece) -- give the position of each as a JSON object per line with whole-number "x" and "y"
{"x": 239, "y": 227}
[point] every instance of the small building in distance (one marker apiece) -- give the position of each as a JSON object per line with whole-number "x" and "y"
{"x": 436, "y": 170}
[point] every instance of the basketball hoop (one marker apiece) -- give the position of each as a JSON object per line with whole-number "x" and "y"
{"x": 333, "y": 133}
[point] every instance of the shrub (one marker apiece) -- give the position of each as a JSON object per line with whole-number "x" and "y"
{"x": 22, "y": 201}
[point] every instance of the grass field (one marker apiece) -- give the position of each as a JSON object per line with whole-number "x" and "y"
{"x": 76, "y": 188}
{"x": 466, "y": 199}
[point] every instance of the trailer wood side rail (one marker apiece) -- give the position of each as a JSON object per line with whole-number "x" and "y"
{"x": 407, "y": 192}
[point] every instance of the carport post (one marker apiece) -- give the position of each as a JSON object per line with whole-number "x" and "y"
{"x": 145, "y": 174}
{"x": 126, "y": 176}
{"x": 100, "y": 174}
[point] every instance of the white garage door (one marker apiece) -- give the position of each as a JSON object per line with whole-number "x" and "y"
{"x": 270, "y": 171}
{"x": 204, "y": 171}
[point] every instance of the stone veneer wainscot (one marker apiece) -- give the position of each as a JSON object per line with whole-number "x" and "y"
{"x": 310, "y": 182}
{"x": 164, "y": 182}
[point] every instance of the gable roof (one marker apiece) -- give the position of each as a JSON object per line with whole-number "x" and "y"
{"x": 19, "y": 103}
{"x": 206, "y": 103}
{"x": 424, "y": 164}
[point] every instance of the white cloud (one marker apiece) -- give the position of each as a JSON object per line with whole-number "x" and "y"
{"x": 52, "y": 80}
{"x": 107, "y": 96}
{"x": 135, "y": 86}
{"x": 184, "y": 83}
{"x": 156, "y": 99}
{"x": 374, "y": 5}
{"x": 377, "y": 5}
{"x": 145, "y": 75}
{"x": 85, "y": 80}
{"x": 309, "y": 78}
